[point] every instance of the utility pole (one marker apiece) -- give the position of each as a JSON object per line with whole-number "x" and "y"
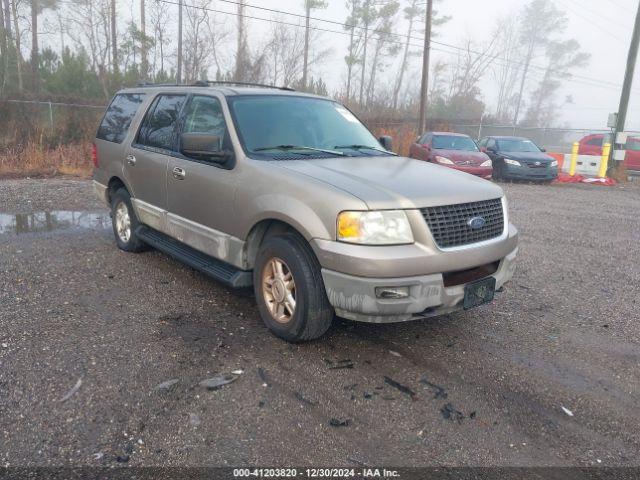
{"x": 144, "y": 64}
{"x": 179, "y": 66}
{"x": 628, "y": 79}
{"x": 366, "y": 17}
{"x": 35, "y": 73}
{"x": 424, "y": 86}
{"x": 241, "y": 53}
{"x": 306, "y": 45}
{"x": 114, "y": 38}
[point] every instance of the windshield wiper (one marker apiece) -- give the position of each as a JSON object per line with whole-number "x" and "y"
{"x": 300, "y": 147}
{"x": 363, "y": 147}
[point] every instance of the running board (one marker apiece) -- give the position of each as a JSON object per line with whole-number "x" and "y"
{"x": 217, "y": 269}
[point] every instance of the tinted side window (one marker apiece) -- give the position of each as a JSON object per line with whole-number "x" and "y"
{"x": 595, "y": 141}
{"x": 204, "y": 115}
{"x": 117, "y": 119}
{"x": 483, "y": 142}
{"x": 491, "y": 143}
{"x": 159, "y": 126}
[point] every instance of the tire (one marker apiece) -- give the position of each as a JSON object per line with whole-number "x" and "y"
{"x": 121, "y": 207}
{"x": 312, "y": 313}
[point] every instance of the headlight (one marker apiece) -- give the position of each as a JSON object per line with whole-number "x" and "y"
{"x": 383, "y": 227}
{"x": 486, "y": 163}
{"x": 554, "y": 163}
{"x": 443, "y": 160}
{"x": 512, "y": 162}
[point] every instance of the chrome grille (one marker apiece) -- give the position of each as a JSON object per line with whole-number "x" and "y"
{"x": 449, "y": 224}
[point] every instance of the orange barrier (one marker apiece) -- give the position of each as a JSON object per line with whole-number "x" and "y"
{"x": 559, "y": 157}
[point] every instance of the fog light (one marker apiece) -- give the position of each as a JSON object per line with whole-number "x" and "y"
{"x": 392, "y": 292}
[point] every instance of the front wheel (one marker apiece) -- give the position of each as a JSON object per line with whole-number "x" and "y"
{"x": 289, "y": 289}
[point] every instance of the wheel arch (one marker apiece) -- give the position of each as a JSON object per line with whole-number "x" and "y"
{"x": 262, "y": 230}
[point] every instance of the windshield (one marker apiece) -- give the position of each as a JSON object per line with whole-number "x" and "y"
{"x": 271, "y": 124}
{"x": 454, "y": 142}
{"x": 517, "y": 145}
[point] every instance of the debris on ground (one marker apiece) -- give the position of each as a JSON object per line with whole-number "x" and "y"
{"x": 238, "y": 372}
{"x": 123, "y": 458}
{"x": 194, "y": 420}
{"x": 439, "y": 392}
{"x": 98, "y": 456}
{"x": 304, "y": 400}
{"x": 450, "y": 413}
{"x": 567, "y": 411}
{"x": 367, "y": 395}
{"x": 166, "y": 385}
{"x": 73, "y": 391}
{"x": 395, "y": 354}
{"x": 5, "y": 345}
{"x": 403, "y": 388}
{"x": 263, "y": 376}
{"x": 335, "y": 422}
{"x": 338, "y": 364}
{"x": 214, "y": 383}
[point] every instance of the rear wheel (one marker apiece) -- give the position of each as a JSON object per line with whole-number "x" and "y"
{"x": 125, "y": 222}
{"x": 289, "y": 289}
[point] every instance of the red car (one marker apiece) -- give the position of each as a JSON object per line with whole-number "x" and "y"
{"x": 453, "y": 150}
{"x": 592, "y": 145}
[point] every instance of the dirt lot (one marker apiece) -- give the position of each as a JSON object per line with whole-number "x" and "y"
{"x": 546, "y": 375}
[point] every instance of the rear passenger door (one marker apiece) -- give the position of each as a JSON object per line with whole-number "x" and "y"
{"x": 146, "y": 162}
{"x": 201, "y": 190}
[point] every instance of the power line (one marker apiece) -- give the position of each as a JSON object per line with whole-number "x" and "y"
{"x": 599, "y": 27}
{"x": 594, "y": 82}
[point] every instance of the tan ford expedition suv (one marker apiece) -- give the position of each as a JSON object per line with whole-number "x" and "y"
{"x": 292, "y": 194}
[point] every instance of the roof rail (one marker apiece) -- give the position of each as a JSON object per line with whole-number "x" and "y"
{"x": 151, "y": 84}
{"x": 205, "y": 83}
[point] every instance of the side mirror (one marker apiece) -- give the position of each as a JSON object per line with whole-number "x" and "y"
{"x": 542, "y": 149}
{"x": 202, "y": 145}
{"x": 386, "y": 142}
{"x": 490, "y": 149}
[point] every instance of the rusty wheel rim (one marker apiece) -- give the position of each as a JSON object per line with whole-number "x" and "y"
{"x": 279, "y": 290}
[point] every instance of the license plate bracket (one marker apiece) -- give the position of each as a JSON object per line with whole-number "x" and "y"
{"x": 479, "y": 292}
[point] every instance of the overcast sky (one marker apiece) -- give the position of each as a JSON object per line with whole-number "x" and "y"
{"x": 603, "y": 29}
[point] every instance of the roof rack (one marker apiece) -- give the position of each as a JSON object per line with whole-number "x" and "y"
{"x": 151, "y": 84}
{"x": 205, "y": 83}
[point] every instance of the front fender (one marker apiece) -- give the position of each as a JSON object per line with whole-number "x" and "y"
{"x": 287, "y": 209}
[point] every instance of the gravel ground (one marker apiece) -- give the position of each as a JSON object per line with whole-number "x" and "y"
{"x": 545, "y": 375}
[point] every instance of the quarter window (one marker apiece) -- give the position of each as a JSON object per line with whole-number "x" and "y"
{"x": 159, "y": 126}
{"x": 117, "y": 119}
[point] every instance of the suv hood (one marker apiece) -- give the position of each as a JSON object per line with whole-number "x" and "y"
{"x": 397, "y": 182}
{"x": 462, "y": 157}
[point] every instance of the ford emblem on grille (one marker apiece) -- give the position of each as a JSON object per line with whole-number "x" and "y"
{"x": 537, "y": 163}
{"x": 476, "y": 222}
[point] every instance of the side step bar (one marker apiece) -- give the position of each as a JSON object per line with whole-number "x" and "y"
{"x": 217, "y": 269}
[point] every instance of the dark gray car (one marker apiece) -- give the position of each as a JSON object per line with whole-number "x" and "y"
{"x": 291, "y": 194}
{"x": 518, "y": 158}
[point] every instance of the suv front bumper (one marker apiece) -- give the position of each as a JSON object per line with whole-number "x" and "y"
{"x": 354, "y": 297}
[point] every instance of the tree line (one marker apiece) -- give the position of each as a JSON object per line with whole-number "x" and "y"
{"x": 101, "y": 46}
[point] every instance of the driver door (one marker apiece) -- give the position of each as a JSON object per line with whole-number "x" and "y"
{"x": 200, "y": 192}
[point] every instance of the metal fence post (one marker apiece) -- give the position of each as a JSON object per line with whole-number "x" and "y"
{"x": 51, "y": 116}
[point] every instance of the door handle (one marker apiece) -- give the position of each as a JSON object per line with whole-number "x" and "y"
{"x": 178, "y": 173}
{"x": 131, "y": 160}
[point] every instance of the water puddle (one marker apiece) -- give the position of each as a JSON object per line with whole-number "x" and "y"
{"x": 55, "y": 220}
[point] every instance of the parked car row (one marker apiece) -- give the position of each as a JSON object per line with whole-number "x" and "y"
{"x": 498, "y": 157}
